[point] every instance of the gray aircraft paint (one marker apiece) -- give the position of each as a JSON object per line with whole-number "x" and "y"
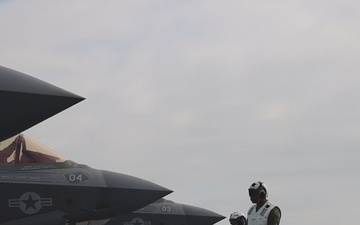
{"x": 26, "y": 101}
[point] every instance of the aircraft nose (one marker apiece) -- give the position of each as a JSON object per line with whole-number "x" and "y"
{"x": 127, "y": 193}
{"x": 201, "y": 216}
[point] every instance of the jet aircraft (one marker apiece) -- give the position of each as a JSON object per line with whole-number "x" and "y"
{"x": 166, "y": 212}
{"x": 40, "y": 186}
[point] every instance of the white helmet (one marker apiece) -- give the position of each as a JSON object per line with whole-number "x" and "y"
{"x": 237, "y": 219}
{"x": 258, "y": 188}
{"x": 236, "y": 215}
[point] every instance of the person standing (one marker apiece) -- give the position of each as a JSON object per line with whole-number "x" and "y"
{"x": 262, "y": 212}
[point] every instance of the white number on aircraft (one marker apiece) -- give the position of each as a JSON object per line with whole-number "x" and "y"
{"x": 166, "y": 208}
{"x": 76, "y": 177}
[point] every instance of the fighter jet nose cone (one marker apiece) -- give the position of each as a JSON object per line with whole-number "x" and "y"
{"x": 135, "y": 192}
{"x": 26, "y": 101}
{"x": 15, "y": 81}
{"x": 201, "y": 216}
{"x": 119, "y": 180}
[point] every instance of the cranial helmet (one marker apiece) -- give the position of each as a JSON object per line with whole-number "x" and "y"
{"x": 236, "y": 215}
{"x": 237, "y": 219}
{"x": 258, "y": 189}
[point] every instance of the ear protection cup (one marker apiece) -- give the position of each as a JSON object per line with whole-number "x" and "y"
{"x": 241, "y": 220}
{"x": 262, "y": 194}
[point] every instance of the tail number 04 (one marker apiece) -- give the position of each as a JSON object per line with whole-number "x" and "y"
{"x": 76, "y": 177}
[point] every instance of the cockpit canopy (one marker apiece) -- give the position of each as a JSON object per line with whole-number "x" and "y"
{"x": 21, "y": 149}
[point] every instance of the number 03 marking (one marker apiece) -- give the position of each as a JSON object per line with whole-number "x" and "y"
{"x": 166, "y": 208}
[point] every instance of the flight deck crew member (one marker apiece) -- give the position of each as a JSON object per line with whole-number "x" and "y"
{"x": 262, "y": 212}
{"x": 237, "y": 219}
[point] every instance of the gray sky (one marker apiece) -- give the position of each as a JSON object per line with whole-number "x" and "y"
{"x": 204, "y": 97}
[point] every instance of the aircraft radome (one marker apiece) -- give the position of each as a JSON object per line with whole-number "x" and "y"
{"x": 26, "y": 101}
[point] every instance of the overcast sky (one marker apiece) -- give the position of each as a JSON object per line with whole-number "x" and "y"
{"x": 204, "y": 97}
